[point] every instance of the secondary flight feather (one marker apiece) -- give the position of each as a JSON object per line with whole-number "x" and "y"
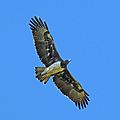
{"x": 55, "y": 66}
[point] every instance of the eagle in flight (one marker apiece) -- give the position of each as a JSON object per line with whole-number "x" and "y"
{"x": 55, "y": 66}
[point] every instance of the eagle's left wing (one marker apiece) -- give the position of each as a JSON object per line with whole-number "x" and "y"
{"x": 44, "y": 42}
{"x": 71, "y": 88}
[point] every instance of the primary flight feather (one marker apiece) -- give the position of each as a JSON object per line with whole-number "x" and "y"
{"x": 55, "y": 66}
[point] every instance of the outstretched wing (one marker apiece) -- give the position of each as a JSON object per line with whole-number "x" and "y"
{"x": 71, "y": 88}
{"x": 43, "y": 42}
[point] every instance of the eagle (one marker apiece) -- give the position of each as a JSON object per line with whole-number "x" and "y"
{"x": 55, "y": 66}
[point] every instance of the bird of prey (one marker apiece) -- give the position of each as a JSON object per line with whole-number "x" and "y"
{"x": 55, "y": 66}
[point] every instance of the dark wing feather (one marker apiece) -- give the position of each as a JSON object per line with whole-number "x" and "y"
{"x": 43, "y": 42}
{"x": 71, "y": 88}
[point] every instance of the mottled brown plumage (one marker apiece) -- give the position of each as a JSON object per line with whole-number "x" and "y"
{"x": 48, "y": 55}
{"x": 71, "y": 88}
{"x": 44, "y": 42}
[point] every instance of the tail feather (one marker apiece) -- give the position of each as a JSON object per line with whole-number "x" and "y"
{"x": 43, "y": 78}
{"x": 39, "y": 70}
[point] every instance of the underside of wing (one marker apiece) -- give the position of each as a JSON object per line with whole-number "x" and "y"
{"x": 43, "y": 42}
{"x": 72, "y": 89}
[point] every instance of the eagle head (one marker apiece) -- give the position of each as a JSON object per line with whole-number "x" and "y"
{"x": 64, "y": 63}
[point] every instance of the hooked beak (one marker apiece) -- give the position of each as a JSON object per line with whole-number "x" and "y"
{"x": 69, "y": 60}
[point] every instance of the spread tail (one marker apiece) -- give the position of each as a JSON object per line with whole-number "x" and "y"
{"x": 43, "y": 78}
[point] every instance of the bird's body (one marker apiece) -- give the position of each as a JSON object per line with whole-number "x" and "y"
{"x": 47, "y": 72}
{"x": 53, "y": 69}
{"x": 55, "y": 66}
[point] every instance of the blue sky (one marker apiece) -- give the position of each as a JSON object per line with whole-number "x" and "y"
{"x": 87, "y": 32}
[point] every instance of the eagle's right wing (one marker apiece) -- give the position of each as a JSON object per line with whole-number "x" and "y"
{"x": 44, "y": 42}
{"x": 71, "y": 88}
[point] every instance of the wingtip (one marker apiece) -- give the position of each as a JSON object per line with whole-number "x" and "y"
{"x": 35, "y": 16}
{"x": 83, "y": 104}
{"x": 37, "y": 21}
{"x": 86, "y": 93}
{"x": 79, "y": 106}
{"x": 45, "y": 24}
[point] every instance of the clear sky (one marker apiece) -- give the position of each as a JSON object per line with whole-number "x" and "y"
{"x": 85, "y": 31}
